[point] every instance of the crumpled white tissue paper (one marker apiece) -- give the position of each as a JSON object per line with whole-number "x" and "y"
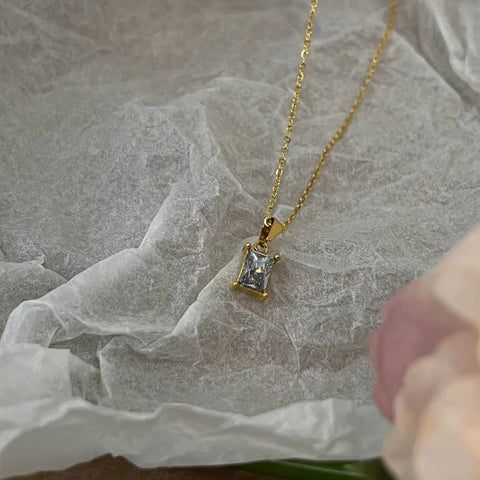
{"x": 138, "y": 145}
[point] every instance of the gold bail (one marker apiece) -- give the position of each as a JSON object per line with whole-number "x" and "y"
{"x": 272, "y": 228}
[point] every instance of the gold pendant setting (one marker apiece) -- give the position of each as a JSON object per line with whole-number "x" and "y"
{"x": 257, "y": 263}
{"x": 255, "y": 271}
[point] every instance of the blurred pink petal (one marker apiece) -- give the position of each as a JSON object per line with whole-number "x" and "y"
{"x": 448, "y": 441}
{"x": 455, "y": 356}
{"x": 414, "y": 321}
{"x": 457, "y": 279}
{"x": 427, "y": 354}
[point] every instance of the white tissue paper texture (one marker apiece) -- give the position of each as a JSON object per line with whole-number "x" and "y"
{"x": 139, "y": 142}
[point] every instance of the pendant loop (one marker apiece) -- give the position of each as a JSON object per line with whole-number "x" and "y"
{"x": 261, "y": 246}
{"x": 271, "y": 229}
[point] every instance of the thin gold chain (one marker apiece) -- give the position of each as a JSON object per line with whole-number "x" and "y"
{"x": 341, "y": 130}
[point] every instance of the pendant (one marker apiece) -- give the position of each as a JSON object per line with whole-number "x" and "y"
{"x": 257, "y": 263}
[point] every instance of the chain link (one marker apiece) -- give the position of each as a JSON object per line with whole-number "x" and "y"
{"x": 346, "y": 122}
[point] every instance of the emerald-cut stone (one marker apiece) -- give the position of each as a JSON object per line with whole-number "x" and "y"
{"x": 256, "y": 270}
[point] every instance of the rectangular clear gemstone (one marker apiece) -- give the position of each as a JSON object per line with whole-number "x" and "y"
{"x": 256, "y": 271}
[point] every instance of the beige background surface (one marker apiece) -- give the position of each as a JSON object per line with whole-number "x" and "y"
{"x": 120, "y": 469}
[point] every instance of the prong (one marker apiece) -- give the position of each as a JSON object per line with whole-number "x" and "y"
{"x": 234, "y": 285}
{"x": 276, "y": 257}
{"x": 246, "y": 248}
{"x": 264, "y": 295}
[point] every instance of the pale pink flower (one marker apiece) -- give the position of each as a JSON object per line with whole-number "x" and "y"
{"x": 427, "y": 354}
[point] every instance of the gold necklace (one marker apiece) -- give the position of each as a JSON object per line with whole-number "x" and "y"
{"x": 257, "y": 263}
